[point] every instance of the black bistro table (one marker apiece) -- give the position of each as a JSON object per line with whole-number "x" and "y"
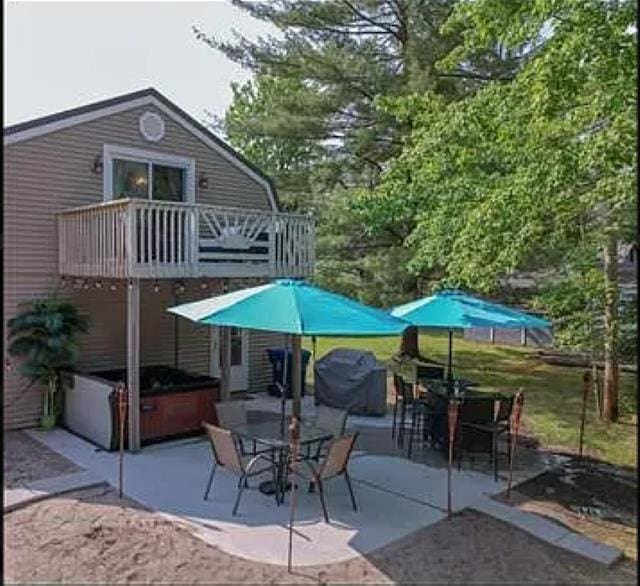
{"x": 272, "y": 435}
{"x": 436, "y": 395}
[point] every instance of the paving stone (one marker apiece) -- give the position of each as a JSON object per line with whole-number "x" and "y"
{"x": 605, "y": 554}
{"x": 14, "y": 497}
{"x": 65, "y": 483}
{"x": 47, "y": 487}
{"x": 549, "y": 531}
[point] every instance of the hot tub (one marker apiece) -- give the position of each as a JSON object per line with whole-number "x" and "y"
{"x": 173, "y": 403}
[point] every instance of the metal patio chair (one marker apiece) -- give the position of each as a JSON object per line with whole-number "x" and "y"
{"x": 234, "y": 413}
{"x": 332, "y": 420}
{"x": 226, "y": 453}
{"x": 334, "y": 464}
{"x": 482, "y": 423}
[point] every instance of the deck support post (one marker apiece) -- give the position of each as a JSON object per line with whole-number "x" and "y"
{"x": 133, "y": 362}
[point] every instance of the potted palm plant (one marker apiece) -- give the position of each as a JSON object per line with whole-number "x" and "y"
{"x": 45, "y": 336}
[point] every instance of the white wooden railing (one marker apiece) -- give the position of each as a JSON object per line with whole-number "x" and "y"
{"x": 146, "y": 239}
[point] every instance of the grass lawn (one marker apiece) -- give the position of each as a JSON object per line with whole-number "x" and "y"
{"x": 553, "y": 394}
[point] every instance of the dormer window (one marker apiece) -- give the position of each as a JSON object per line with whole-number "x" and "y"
{"x": 137, "y": 174}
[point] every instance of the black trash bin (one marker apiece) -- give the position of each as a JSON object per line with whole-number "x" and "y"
{"x": 276, "y": 357}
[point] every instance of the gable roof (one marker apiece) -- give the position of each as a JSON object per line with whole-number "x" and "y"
{"x": 150, "y": 96}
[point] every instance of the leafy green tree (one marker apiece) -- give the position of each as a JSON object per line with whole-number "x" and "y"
{"x": 45, "y": 336}
{"x": 537, "y": 173}
{"x": 280, "y": 147}
{"x": 310, "y": 116}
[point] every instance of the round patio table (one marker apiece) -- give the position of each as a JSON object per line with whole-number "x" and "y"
{"x": 273, "y": 435}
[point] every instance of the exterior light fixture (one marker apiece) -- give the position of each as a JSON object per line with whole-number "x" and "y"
{"x": 98, "y": 284}
{"x": 130, "y": 283}
{"x": 97, "y": 166}
{"x": 156, "y": 287}
{"x": 85, "y": 285}
{"x": 203, "y": 285}
{"x": 203, "y": 181}
{"x": 112, "y": 287}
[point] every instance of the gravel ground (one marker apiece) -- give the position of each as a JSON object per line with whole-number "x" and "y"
{"x": 92, "y": 536}
{"x": 26, "y": 460}
{"x": 591, "y": 498}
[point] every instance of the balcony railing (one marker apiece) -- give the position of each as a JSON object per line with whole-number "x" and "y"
{"x": 146, "y": 239}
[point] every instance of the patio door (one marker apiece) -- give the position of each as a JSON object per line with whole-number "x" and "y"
{"x": 239, "y": 357}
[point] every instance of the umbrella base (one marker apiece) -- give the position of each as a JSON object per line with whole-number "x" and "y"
{"x": 269, "y": 487}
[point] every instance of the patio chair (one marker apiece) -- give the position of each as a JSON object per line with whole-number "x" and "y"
{"x": 334, "y": 464}
{"x": 331, "y": 420}
{"x": 482, "y": 422}
{"x": 404, "y": 400}
{"x": 231, "y": 414}
{"x": 226, "y": 453}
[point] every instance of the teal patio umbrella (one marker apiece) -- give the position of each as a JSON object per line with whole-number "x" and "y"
{"x": 460, "y": 310}
{"x": 292, "y": 307}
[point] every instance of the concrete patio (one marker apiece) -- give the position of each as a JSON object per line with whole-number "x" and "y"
{"x": 395, "y": 496}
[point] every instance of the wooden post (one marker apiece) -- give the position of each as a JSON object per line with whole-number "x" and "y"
{"x": 518, "y": 404}
{"x": 452, "y": 420}
{"x": 595, "y": 376}
{"x": 586, "y": 387}
{"x": 296, "y": 374}
{"x": 225, "y": 363}
{"x": 121, "y": 395}
{"x": 133, "y": 362}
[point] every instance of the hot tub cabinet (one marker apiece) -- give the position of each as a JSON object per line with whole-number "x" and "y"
{"x": 173, "y": 403}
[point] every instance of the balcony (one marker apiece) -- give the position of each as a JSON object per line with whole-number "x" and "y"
{"x": 145, "y": 239}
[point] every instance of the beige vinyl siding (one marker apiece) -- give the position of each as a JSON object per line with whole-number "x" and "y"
{"x": 51, "y": 173}
{"x": 259, "y": 365}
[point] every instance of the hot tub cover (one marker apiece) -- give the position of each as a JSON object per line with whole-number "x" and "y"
{"x": 351, "y": 379}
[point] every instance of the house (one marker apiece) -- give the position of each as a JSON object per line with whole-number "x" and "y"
{"x": 126, "y": 207}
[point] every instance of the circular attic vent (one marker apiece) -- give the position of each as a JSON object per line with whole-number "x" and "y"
{"x": 152, "y": 126}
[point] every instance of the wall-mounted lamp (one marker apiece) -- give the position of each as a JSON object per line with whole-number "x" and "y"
{"x": 97, "y": 166}
{"x": 203, "y": 181}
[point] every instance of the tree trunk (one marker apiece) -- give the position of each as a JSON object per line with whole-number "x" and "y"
{"x": 409, "y": 344}
{"x": 610, "y": 398}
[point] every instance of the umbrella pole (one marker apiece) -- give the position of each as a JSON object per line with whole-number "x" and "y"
{"x": 283, "y": 386}
{"x": 296, "y": 373}
{"x": 449, "y": 365}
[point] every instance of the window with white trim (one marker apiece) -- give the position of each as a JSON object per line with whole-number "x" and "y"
{"x": 133, "y": 173}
